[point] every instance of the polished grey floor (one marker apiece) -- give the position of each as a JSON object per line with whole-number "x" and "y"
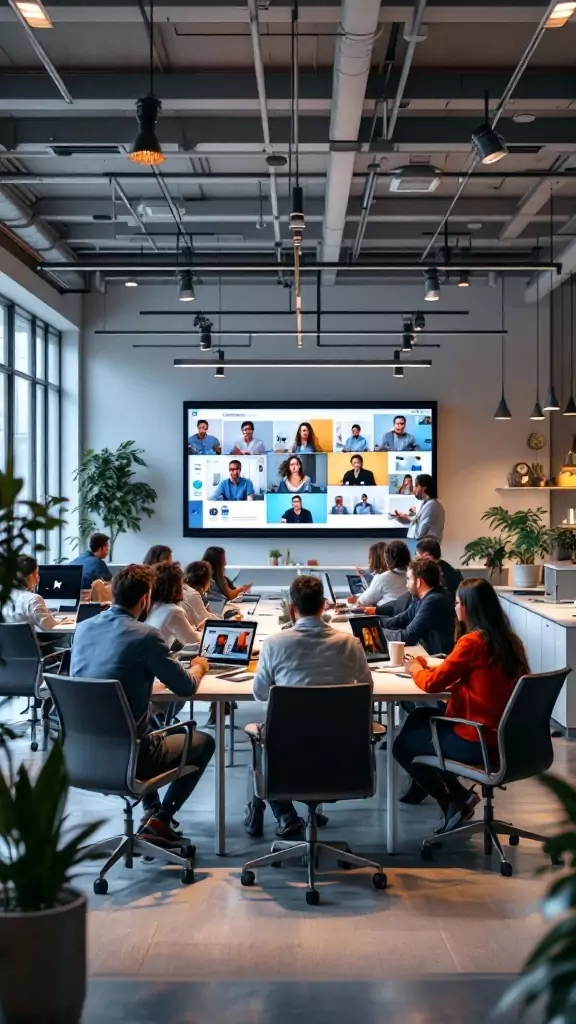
{"x": 439, "y": 945}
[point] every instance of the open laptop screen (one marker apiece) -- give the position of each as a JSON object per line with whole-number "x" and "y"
{"x": 369, "y": 632}
{"x": 60, "y": 585}
{"x": 228, "y": 642}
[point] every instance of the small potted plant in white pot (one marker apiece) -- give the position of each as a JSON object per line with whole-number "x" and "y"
{"x": 275, "y": 556}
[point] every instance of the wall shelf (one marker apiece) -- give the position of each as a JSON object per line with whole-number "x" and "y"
{"x": 547, "y": 488}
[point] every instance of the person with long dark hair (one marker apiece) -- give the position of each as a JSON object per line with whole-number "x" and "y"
{"x": 156, "y": 554}
{"x": 25, "y": 605}
{"x": 306, "y": 442}
{"x": 481, "y": 673}
{"x": 220, "y": 585}
{"x": 167, "y": 613}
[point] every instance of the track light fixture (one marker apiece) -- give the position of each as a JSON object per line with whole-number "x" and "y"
{"x": 419, "y": 321}
{"x": 431, "y": 285}
{"x": 186, "y": 291}
{"x": 398, "y": 368}
{"x": 464, "y": 279}
{"x": 490, "y": 147}
{"x": 407, "y": 334}
{"x": 205, "y": 327}
{"x": 219, "y": 371}
{"x": 146, "y": 149}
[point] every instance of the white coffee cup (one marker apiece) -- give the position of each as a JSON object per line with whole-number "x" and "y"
{"x": 396, "y": 649}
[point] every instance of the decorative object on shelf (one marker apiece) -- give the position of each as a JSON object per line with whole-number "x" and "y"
{"x": 547, "y": 978}
{"x": 275, "y": 556}
{"x": 537, "y": 475}
{"x": 288, "y": 559}
{"x": 312, "y": 561}
{"x": 567, "y": 475}
{"x": 284, "y": 618}
{"x": 520, "y": 475}
{"x": 109, "y": 495}
{"x": 536, "y": 441}
{"x": 521, "y": 537}
{"x": 566, "y": 543}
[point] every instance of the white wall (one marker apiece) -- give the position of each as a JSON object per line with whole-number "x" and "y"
{"x": 130, "y": 393}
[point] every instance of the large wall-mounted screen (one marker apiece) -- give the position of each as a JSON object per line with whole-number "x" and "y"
{"x": 314, "y": 469}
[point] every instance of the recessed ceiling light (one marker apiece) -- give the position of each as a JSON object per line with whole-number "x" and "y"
{"x": 524, "y": 117}
{"x": 34, "y": 14}
{"x": 474, "y": 225}
{"x": 560, "y": 14}
{"x": 276, "y": 160}
{"x": 131, "y": 283}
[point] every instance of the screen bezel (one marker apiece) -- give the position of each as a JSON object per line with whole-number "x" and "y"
{"x": 302, "y": 531}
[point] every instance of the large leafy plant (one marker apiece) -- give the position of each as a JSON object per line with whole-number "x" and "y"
{"x": 520, "y": 536}
{"x": 549, "y": 974}
{"x": 110, "y": 497}
{"x": 489, "y": 550}
{"x": 20, "y": 523}
{"x": 37, "y": 854}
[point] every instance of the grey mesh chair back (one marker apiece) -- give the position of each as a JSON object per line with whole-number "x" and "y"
{"x": 524, "y": 741}
{"x": 318, "y": 743}
{"x": 99, "y": 733}
{"x": 20, "y": 660}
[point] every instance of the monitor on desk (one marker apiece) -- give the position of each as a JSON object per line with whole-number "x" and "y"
{"x": 60, "y": 586}
{"x": 228, "y": 642}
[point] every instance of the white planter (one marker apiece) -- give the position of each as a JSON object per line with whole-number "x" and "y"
{"x": 43, "y": 963}
{"x": 527, "y": 576}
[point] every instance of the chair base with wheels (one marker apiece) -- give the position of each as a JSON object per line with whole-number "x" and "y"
{"x": 309, "y": 850}
{"x": 491, "y": 828}
{"x": 128, "y": 846}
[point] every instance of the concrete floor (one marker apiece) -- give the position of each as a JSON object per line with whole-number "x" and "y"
{"x": 439, "y": 945}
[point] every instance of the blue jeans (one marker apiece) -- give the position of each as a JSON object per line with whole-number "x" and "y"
{"x": 415, "y": 738}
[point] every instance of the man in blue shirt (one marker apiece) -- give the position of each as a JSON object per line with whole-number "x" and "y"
{"x": 236, "y": 488}
{"x": 92, "y": 561}
{"x": 356, "y": 443}
{"x": 115, "y": 645}
{"x": 203, "y": 443}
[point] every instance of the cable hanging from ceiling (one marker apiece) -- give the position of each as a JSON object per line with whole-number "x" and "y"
{"x": 297, "y": 222}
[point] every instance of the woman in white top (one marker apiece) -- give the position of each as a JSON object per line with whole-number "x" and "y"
{"x": 197, "y": 578}
{"x": 24, "y": 604}
{"x": 167, "y": 612}
{"x": 388, "y": 564}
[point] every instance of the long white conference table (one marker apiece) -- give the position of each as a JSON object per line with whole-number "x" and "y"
{"x": 389, "y": 687}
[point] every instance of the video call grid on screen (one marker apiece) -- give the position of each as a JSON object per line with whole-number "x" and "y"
{"x": 242, "y": 482}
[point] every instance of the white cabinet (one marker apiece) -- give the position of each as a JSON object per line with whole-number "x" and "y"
{"x": 518, "y": 617}
{"x": 533, "y": 641}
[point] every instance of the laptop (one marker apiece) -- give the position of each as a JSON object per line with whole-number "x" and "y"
{"x": 331, "y": 595}
{"x": 88, "y": 611}
{"x": 216, "y": 606}
{"x": 368, "y": 630}
{"x": 356, "y": 584}
{"x": 228, "y": 644}
{"x": 60, "y": 586}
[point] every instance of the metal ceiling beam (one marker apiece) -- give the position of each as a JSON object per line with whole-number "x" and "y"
{"x": 244, "y": 266}
{"x": 533, "y": 201}
{"x": 189, "y": 90}
{"x": 429, "y": 134}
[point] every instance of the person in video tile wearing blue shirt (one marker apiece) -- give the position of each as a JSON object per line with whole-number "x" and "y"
{"x": 236, "y": 487}
{"x": 203, "y": 443}
{"x": 356, "y": 443}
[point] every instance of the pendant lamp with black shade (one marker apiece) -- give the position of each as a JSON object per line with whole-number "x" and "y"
{"x": 570, "y": 409}
{"x": 146, "y": 148}
{"x": 537, "y": 412}
{"x": 551, "y": 404}
{"x": 503, "y": 412}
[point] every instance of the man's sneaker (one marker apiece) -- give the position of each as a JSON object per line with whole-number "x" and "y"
{"x": 291, "y": 829}
{"x": 157, "y": 832}
{"x": 254, "y": 818}
{"x": 175, "y": 825}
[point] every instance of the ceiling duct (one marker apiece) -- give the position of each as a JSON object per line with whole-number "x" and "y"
{"x": 37, "y": 235}
{"x": 103, "y": 149}
{"x": 415, "y": 178}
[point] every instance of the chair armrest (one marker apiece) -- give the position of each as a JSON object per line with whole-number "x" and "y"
{"x": 168, "y": 730}
{"x": 459, "y": 721}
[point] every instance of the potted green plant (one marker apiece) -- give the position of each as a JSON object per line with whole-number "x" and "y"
{"x": 42, "y": 918}
{"x": 491, "y": 551}
{"x": 566, "y": 542}
{"x": 109, "y": 495}
{"x": 275, "y": 555}
{"x": 524, "y": 538}
{"x": 549, "y": 975}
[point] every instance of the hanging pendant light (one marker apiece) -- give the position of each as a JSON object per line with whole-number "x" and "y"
{"x": 490, "y": 147}
{"x": 146, "y": 148}
{"x": 551, "y": 404}
{"x": 570, "y": 409}
{"x": 502, "y": 412}
{"x": 537, "y": 413}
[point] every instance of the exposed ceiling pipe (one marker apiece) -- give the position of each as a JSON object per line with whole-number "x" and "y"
{"x": 42, "y": 54}
{"x": 261, "y": 85}
{"x": 499, "y": 110}
{"x": 37, "y": 235}
{"x": 133, "y": 212}
{"x": 367, "y": 266}
{"x": 87, "y": 178}
{"x": 413, "y": 35}
{"x": 359, "y": 25}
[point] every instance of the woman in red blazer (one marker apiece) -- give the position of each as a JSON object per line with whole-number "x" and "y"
{"x": 480, "y": 674}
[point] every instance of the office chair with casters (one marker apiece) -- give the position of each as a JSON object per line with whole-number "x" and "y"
{"x": 315, "y": 747}
{"x": 101, "y": 750}
{"x": 21, "y": 668}
{"x": 524, "y": 751}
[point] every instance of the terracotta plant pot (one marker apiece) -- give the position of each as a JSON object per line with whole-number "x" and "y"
{"x": 52, "y": 945}
{"x": 273, "y": 561}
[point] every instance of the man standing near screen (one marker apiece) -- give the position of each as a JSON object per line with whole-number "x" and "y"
{"x": 397, "y": 440}
{"x": 236, "y": 487}
{"x": 248, "y": 444}
{"x": 429, "y": 520}
{"x": 297, "y": 514}
{"x": 356, "y": 443}
{"x": 203, "y": 443}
